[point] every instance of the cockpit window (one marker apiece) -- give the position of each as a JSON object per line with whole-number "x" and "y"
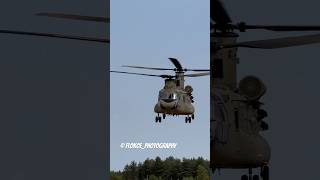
{"x": 162, "y": 95}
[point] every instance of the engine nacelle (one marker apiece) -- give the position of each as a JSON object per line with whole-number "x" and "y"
{"x": 252, "y": 87}
{"x": 188, "y": 89}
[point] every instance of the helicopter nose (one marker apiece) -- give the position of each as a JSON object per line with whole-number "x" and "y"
{"x": 168, "y": 103}
{"x": 168, "y": 100}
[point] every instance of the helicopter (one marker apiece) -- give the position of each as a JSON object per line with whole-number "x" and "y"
{"x": 174, "y": 98}
{"x": 62, "y": 36}
{"x": 236, "y": 113}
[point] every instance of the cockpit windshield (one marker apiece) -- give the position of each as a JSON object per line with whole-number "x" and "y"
{"x": 173, "y": 96}
{"x": 168, "y": 95}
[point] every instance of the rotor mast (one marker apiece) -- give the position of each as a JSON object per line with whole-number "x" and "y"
{"x": 180, "y": 79}
{"x": 223, "y": 62}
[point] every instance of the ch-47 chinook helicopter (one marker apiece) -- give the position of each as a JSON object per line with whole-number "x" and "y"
{"x": 175, "y": 98}
{"x": 236, "y": 117}
{"x": 62, "y": 36}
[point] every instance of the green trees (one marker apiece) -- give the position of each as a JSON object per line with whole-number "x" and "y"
{"x": 188, "y": 178}
{"x": 116, "y": 176}
{"x": 153, "y": 177}
{"x": 202, "y": 173}
{"x": 158, "y": 167}
{"x": 168, "y": 169}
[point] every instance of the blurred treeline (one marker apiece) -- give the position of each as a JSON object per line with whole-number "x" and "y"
{"x": 169, "y": 169}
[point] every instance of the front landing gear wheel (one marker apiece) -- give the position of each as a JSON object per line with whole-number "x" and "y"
{"x": 265, "y": 172}
{"x": 244, "y": 177}
{"x": 192, "y": 116}
{"x": 163, "y": 116}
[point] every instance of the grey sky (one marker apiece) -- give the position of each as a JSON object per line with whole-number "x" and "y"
{"x": 53, "y": 93}
{"x": 146, "y": 33}
{"x": 291, "y": 76}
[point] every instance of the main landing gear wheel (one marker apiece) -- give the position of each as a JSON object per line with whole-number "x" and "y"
{"x": 250, "y": 177}
{"x": 158, "y": 119}
{"x": 244, "y": 177}
{"x": 265, "y": 172}
{"x": 255, "y": 177}
{"x": 188, "y": 120}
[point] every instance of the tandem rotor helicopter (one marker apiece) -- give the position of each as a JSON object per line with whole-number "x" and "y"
{"x": 236, "y": 116}
{"x": 175, "y": 98}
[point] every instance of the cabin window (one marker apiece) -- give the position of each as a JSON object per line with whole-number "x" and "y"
{"x": 236, "y": 119}
{"x": 219, "y": 112}
{"x": 222, "y": 128}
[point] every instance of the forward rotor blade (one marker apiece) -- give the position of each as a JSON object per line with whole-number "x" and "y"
{"x": 151, "y": 68}
{"x": 100, "y": 40}
{"x": 176, "y": 63}
{"x": 278, "y": 43}
{"x": 197, "y": 74}
{"x": 154, "y": 75}
{"x": 218, "y": 13}
{"x": 75, "y": 17}
{"x": 165, "y": 69}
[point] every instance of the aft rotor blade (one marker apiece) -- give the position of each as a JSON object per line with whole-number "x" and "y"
{"x": 284, "y": 28}
{"x": 196, "y": 70}
{"x": 100, "y": 40}
{"x": 151, "y": 68}
{"x": 75, "y": 17}
{"x": 278, "y": 43}
{"x": 218, "y": 13}
{"x": 197, "y": 74}
{"x": 176, "y": 63}
{"x": 154, "y": 75}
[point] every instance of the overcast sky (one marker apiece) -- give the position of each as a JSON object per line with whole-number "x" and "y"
{"x": 146, "y": 33}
